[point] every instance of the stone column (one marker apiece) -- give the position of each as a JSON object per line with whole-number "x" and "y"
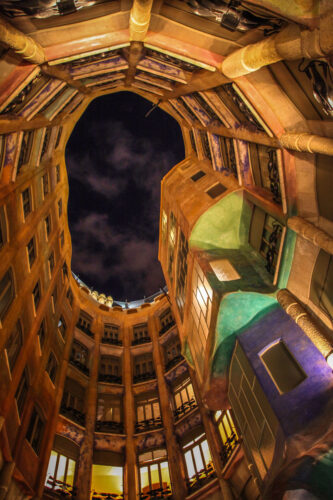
{"x": 213, "y": 439}
{"x": 307, "y": 142}
{"x": 84, "y": 467}
{"x": 309, "y": 232}
{"x": 130, "y": 475}
{"x": 5, "y": 478}
{"x": 175, "y": 456}
{"x": 140, "y": 19}
{"x": 23, "y": 45}
{"x": 306, "y": 322}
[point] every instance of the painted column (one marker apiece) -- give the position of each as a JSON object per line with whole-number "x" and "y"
{"x": 23, "y": 45}
{"x": 309, "y": 232}
{"x": 140, "y": 19}
{"x": 83, "y": 477}
{"x": 130, "y": 473}
{"x": 175, "y": 455}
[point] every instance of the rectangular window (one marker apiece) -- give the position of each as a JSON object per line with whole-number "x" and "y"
{"x": 140, "y": 334}
{"x": 3, "y": 227}
{"x": 62, "y": 326}
{"x": 148, "y": 414}
{"x": 45, "y": 184}
{"x": 35, "y": 431}
{"x": 26, "y": 145}
{"x": 57, "y": 173}
{"x": 52, "y": 367}
{"x": 41, "y": 334}
{"x": 62, "y": 239}
{"x": 13, "y": 345}
{"x": 184, "y": 398}
{"x": 51, "y": 263}
{"x": 154, "y": 474}
{"x": 26, "y": 202}
{"x": 31, "y": 249}
{"x": 181, "y": 273}
{"x": 198, "y": 461}
{"x": 54, "y": 299}
{"x": 60, "y": 207}
{"x": 277, "y": 356}
{"x": 198, "y": 175}
{"x": 60, "y": 472}
{"x": 21, "y": 393}
{"x": 48, "y": 225}
{"x": 36, "y": 295}
{"x": 216, "y": 190}
{"x": 111, "y": 334}
{"x": 7, "y": 293}
{"x": 228, "y": 433}
{"x": 107, "y": 479}
{"x": 69, "y": 296}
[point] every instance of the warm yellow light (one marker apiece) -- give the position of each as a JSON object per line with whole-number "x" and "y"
{"x": 329, "y": 360}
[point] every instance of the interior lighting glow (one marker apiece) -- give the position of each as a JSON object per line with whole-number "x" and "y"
{"x": 329, "y": 360}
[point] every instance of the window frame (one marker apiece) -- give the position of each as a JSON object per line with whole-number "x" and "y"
{"x": 27, "y": 206}
{"x": 10, "y": 285}
{"x": 36, "y": 423}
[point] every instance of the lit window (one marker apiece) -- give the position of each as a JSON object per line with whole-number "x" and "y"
{"x": 60, "y": 472}
{"x": 31, "y": 251}
{"x": 154, "y": 473}
{"x": 7, "y": 293}
{"x": 184, "y": 398}
{"x": 107, "y": 479}
{"x": 198, "y": 461}
{"x": 26, "y": 202}
{"x": 148, "y": 414}
{"x": 228, "y": 433}
{"x": 35, "y": 431}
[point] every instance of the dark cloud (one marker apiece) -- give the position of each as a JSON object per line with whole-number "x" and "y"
{"x": 116, "y": 159}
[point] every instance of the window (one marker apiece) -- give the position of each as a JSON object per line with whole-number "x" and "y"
{"x": 60, "y": 472}
{"x": 35, "y": 431}
{"x": 84, "y": 323}
{"x": 60, "y": 207}
{"x": 58, "y": 137}
{"x": 62, "y": 239}
{"x": 110, "y": 369}
{"x": 321, "y": 291}
{"x": 216, "y": 190}
{"x": 62, "y": 326}
{"x": 148, "y": 414}
{"x": 31, "y": 249}
{"x": 36, "y": 295}
{"x": 52, "y": 367}
{"x": 6, "y": 293}
{"x": 14, "y": 345}
{"x": 198, "y": 175}
{"x": 111, "y": 334}
{"x": 41, "y": 334}
{"x": 228, "y": 433}
{"x": 79, "y": 357}
{"x": 21, "y": 393}
{"x": 140, "y": 334}
{"x": 276, "y": 356}
{"x": 72, "y": 404}
{"x": 172, "y": 243}
{"x": 181, "y": 273}
{"x": 143, "y": 368}
{"x": 3, "y": 227}
{"x": 64, "y": 271}
{"x": 48, "y": 225}
{"x": 265, "y": 171}
{"x": 46, "y": 142}
{"x": 166, "y": 320}
{"x": 154, "y": 472}
{"x": 69, "y": 296}
{"x": 184, "y": 399}
{"x": 45, "y": 184}
{"x": 198, "y": 460}
{"x": 172, "y": 353}
{"x": 51, "y": 263}
{"x": 26, "y": 145}
{"x": 26, "y": 202}
{"x": 54, "y": 299}
{"x": 164, "y": 225}
{"x": 109, "y": 414}
{"x": 57, "y": 173}
{"x": 107, "y": 479}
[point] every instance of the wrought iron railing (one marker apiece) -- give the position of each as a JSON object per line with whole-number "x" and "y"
{"x": 141, "y": 340}
{"x": 73, "y": 414}
{"x": 148, "y": 425}
{"x": 109, "y": 426}
{"x": 106, "y": 496}
{"x": 173, "y": 362}
{"x": 273, "y": 174}
{"x": 185, "y": 408}
{"x": 156, "y": 493}
{"x": 167, "y": 327}
{"x": 59, "y": 489}
{"x": 84, "y": 329}
{"x": 108, "y": 340}
{"x": 80, "y": 366}
{"x": 228, "y": 447}
{"x": 142, "y": 377}
{"x": 109, "y": 378}
{"x": 200, "y": 479}
{"x": 273, "y": 247}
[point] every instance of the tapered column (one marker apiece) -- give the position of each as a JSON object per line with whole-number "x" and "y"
{"x": 130, "y": 475}
{"x": 175, "y": 456}
{"x": 311, "y": 233}
{"x": 307, "y": 142}
{"x": 306, "y": 322}
{"x": 140, "y": 19}
{"x": 212, "y": 438}
{"x": 290, "y": 44}
{"x": 23, "y": 45}
{"x": 86, "y": 452}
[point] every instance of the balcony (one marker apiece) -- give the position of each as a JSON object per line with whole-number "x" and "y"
{"x": 73, "y": 414}
{"x": 148, "y": 425}
{"x": 58, "y": 489}
{"x": 141, "y": 340}
{"x": 109, "y": 378}
{"x": 80, "y": 366}
{"x": 203, "y": 477}
{"x": 142, "y": 377}
{"x": 173, "y": 362}
{"x": 185, "y": 408}
{"x": 166, "y": 327}
{"x": 108, "y": 340}
{"x": 85, "y": 329}
{"x": 156, "y": 493}
{"x": 109, "y": 426}
{"x": 228, "y": 447}
{"x": 106, "y": 496}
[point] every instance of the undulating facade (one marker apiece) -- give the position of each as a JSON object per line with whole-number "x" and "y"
{"x": 219, "y": 387}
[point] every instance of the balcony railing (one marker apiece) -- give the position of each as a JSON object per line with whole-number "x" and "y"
{"x": 85, "y": 330}
{"x": 73, "y": 414}
{"x": 156, "y": 493}
{"x": 109, "y": 426}
{"x": 106, "y": 496}
{"x": 141, "y": 340}
{"x": 203, "y": 477}
{"x": 173, "y": 362}
{"x": 185, "y": 408}
{"x": 109, "y": 378}
{"x": 228, "y": 447}
{"x": 58, "y": 489}
{"x": 142, "y": 377}
{"x": 108, "y": 340}
{"x": 148, "y": 425}
{"x": 167, "y": 327}
{"x": 80, "y": 366}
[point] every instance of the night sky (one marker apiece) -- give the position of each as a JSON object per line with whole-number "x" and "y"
{"x": 116, "y": 159}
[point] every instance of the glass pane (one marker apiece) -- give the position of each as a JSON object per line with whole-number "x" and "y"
{"x": 206, "y": 452}
{"x": 165, "y": 474}
{"x": 225, "y": 421}
{"x": 61, "y": 468}
{"x": 148, "y": 411}
{"x": 223, "y": 433}
{"x": 197, "y": 458}
{"x": 178, "y": 401}
{"x": 107, "y": 479}
{"x": 189, "y": 464}
{"x": 51, "y": 467}
{"x": 155, "y": 477}
{"x": 70, "y": 472}
{"x": 156, "y": 409}
{"x": 184, "y": 395}
{"x": 144, "y": 479}
{"x": 140, "y": 413}
{"x": 190, "y": 391}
